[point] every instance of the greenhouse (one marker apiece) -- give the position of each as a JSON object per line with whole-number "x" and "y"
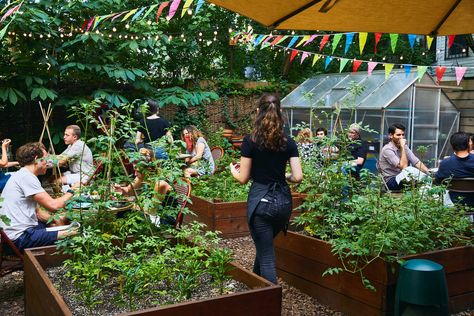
{"x": 428, "y": 114}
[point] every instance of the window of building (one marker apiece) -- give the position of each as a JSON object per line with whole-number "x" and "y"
{"x": 458, "y": 49}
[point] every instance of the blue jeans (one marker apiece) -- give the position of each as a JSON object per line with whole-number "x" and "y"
{"x": 36, "y": 237}
{"x": 394, "y": 186}
{"x": 267, "y": 221}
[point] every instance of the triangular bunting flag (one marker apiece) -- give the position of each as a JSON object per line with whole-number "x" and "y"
{"x": 407, "y": 69}
{"x": 186, "y": 6}
{"x": 421, "y": 71}
{"x": 362, "y": 41}
{"x": 451, "y": 40}
{"x": 198, "y": 6}
{"x": 258, "y": 40}
{"x": 138, "y": 14}
{"x": 328, "y": 60}
{"x": 276, "y": 40}
{"x": 129, "y": 14}
{"x": 324, "y": 40}
{"x": 293, "y": 41}
{"x": 118, "y": 15}
{"x": 411, "y": 40}
{"x": 315, "y": 59}
{"x": 378, "y": 36}
{"x": 4, "y": 30}
{"x": 281, "y": 39}
{"x": 356, "y": 64}
{"x": 303, "y": 57}
{"x": 393, "y": 41}
{"x": 335, "y": 41}
{"x": 96, "y": 22}
{"x": 429, "y": 40}
{"x": 90, "y": 24}
{"x": 349, "y": 38}
{"x": 304, "y": 39}
{"x": 388, "y": 69}
{"x": 310, "y": 39}
{"x": 460, "y": 71}
{"x": 440, "y": 72}
{"x": 343, "y": 64}
{"x": 173, "y": 7}
{"x": 10, "y": 12}
{"x": 370, "y": 67}
{"x": 265, "y": 42}
{"x": 294, "y": 52}
{"x": 149, "y": 10}
{"x": 160, "y": 9}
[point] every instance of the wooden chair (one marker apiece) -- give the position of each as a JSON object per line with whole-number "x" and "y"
{"x": 99, "y": 166}
{"x": 11, "y": 258}
{"x": 183, "y": 192}
{"x": 217, "y": 153}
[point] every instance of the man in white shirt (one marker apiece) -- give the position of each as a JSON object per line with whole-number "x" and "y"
{"x": 77, "y": 155}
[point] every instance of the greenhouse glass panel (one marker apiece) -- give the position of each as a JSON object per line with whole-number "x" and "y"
{"x": 304, "y": 88}
{"x": 370, "y": 84}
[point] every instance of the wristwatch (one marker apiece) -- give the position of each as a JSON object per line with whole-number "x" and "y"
{"x": 71, "y": 191}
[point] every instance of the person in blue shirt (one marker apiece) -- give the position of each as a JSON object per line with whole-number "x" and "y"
{"x": 459, "y": 165}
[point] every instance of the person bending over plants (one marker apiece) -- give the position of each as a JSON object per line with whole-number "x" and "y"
{"x": 201, "y": 161}
{"x": 21, "y": 196}
{"x": 265, "y": 154}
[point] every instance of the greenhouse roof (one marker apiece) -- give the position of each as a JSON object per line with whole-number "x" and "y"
{"x": 331, "y": 90}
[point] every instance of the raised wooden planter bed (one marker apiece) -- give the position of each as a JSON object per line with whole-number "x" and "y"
{"x": 230, "y": 218}
{"x": 41, "y": 298}
{"x": 301, "y": 260}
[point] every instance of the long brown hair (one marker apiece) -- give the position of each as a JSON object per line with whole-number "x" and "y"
{"x": 268, "y": 129}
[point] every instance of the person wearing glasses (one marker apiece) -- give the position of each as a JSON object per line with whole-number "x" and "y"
{"x": 265, "y": 155}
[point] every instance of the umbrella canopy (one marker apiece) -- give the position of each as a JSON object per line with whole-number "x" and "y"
{"x": 428, "y": 17}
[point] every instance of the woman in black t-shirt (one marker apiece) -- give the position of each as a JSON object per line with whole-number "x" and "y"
{"x": 265, "y": 154}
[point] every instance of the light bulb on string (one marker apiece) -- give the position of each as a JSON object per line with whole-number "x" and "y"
{"x": 184, "y": 40}
{"x": 97, "y": 32}
{"x": 230, "y": 30}
{"x": 182, "y": 35}
{"x": 120, "y": 36}
{"x": 127, "y": 26}
{"x": 86, "y": 33}
{"x": 190, "y": 11}
{"x": 383, "y": 58}
{"x": 148, "y": 22}
{"x": 215, "y": 32}
{"x": 114, "y": 29}
{"x": 200, "y": 34}
{"x": 170, "y": 38}
{"x": 401, "y": 57}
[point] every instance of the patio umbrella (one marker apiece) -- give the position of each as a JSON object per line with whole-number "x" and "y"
{"x": 428, "y": 17}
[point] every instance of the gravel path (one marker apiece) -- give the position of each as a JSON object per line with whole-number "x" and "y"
{"x": 294, "y": 302}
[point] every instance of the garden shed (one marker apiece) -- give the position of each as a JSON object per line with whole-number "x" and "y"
{"x": 428, "y": 114}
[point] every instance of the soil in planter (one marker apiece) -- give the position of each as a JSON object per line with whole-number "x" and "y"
{"x": 110, "y": 292}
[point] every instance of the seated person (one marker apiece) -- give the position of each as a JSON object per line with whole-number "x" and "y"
{"x": 201, "y": 161}
{"x": 162, "y": 188}
{"x": 458, "y": 165}
{"x": 471, "y": 143}
{"x": 77, "y": 155}
{"x": 306, "y": 147}
{"x": 358, "y": 149}
{"x": 325, "y": 151}
{"x": 4, "y": 163}
{"x": 22, "y": 195}
{"x": 152, "y": 128}
{"x": 395, "y": 157}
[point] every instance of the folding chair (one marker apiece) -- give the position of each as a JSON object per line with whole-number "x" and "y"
{"x": 183, "y": 191}
{"x": 217, "y": 153}
{"x": 11, "y": 258}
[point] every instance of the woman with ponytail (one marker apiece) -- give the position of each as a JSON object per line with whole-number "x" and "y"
{"x": 265, "y": 154}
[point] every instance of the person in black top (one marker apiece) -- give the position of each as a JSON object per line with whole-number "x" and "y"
{"x": 358, "y": 150}
{"x": 153, "y": 128}
{"x": 265, "y": 154}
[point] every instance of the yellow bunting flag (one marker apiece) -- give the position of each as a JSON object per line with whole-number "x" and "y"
{"x": 393, "y": 41}
{"x": 429, "y": 40}
{"x": 304, "y": 39}
{"x": 388, "y": 69}
{"x": 362, "y": 41}
{"x": 315, "y": 59}
{"x": 186, "y": 6}
{"x": 129, "y": 14}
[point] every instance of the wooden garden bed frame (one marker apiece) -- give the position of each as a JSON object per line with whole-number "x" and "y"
{"x": 230, "y": 218}
{"x": 301, "y": 260}
{"x": 42, "y": 298}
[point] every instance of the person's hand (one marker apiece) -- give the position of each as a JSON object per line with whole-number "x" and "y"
{"x": 234, "y": 167}
{"x": 6, "y": 142}
{"x": 402, "y": 142}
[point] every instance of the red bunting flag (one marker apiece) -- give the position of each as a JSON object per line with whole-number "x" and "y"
{"x": 378, "y": 36}
{"x": 84, "y": 25}
{"x": 279, "y": 37}
{"x": 356, "y": 65}
{"x": 451, "y": 40}
{"x": 440, "y": 72}
{"x": 160, "y": 10}
{"x": 294, "y": 52}
{"x": 324, "y": 40}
